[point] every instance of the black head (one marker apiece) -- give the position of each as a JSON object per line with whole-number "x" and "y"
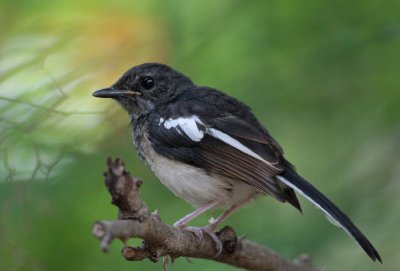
{"x": 145, "y": 86}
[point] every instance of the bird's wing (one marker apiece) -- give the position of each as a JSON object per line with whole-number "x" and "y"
{"x": 230, "y": 147}
{"x": 224, "y": 145}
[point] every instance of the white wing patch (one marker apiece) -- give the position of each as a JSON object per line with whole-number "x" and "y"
{"x": 189, "y": 126}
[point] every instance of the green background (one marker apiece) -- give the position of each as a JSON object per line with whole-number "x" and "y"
{"x": 323, "y": 76}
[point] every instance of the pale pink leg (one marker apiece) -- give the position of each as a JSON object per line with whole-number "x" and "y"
{"x": 187, "y": 218}
{"x": 181, "y": 223}
{"x": 209, "y": 229}
{"x": 228, "y": 212}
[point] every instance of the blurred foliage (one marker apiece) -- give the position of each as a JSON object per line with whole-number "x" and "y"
{"x": 323, "y": 76}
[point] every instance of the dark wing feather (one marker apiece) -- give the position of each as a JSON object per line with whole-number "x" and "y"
{"x": 221, "y": 158}
{"x": 246, "y": 131}
{"x": 258, "y": 140}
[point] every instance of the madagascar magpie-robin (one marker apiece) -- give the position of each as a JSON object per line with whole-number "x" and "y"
{"x": 209, "y": 149}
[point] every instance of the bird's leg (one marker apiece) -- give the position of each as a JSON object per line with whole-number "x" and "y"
{"x": 209, "y": 229}
{"x": 181, "y": 223}
{"x": 212, "y": 226}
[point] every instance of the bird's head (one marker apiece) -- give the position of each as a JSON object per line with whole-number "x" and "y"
{"x": 144, "y": 87}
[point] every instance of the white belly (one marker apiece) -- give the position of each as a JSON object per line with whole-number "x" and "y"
{"x": 194, "y": 184}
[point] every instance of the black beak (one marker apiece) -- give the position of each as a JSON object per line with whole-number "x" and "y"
{"x": 113, "y": 93}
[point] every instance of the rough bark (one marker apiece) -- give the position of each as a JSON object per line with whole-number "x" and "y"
{"x": 163, "y": 241}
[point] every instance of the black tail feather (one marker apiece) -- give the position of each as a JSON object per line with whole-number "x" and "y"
{"x": 292, "y": 198}
{"x": 293, "y": 180}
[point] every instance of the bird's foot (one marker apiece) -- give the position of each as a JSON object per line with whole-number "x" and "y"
{"x": 166, "y": 262}
{"x": 199, "y": 233}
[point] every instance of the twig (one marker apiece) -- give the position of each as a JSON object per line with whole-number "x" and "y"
{"x": 161, "y": 240}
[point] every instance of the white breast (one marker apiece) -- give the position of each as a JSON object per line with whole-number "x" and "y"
{"x": 193, "y": 184}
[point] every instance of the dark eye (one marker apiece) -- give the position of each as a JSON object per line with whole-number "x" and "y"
{"x": 148, "y": 82}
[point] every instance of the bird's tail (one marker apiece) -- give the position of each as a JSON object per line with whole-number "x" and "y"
{"x": 333, "y": 213}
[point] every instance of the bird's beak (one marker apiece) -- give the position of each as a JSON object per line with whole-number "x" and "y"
{"x": 113, "y": 93}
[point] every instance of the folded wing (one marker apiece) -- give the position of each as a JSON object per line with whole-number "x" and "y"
{"x": 227, "y": 146}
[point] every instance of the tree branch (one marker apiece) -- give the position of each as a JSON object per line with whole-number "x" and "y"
{"x": 161, "y": 240}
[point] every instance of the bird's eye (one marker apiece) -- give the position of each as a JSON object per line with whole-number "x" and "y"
{"x": 148, "y": 82}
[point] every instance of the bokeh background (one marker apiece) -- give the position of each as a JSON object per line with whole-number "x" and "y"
{"x": 323, "y": 76}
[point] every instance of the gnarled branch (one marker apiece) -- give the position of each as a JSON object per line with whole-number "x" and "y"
{"x": 161, "y": 240}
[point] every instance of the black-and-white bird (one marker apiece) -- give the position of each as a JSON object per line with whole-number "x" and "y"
{"x": 209, "y": 149}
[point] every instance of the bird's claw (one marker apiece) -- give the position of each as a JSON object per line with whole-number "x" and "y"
{"x": 166, "y": 262}
{"x": 199, "y": 233}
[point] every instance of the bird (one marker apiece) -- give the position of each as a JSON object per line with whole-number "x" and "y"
{"x": 209, "y": 149}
